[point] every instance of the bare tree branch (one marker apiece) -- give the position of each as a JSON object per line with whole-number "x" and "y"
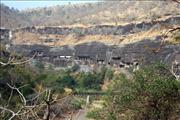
{"x": 48, "y": 109}
{"x": 12, "y": 62}
{"x": 177, "y": 1}
{"x": 162, "y": 43}
{"x": 21, "y": 95}
{"x": 24, "y": 109}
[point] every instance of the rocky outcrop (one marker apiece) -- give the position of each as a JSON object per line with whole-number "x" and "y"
{"x": 98, "y": 52}
{"x": 102, "y": 29}
{"x": 5, "y": 35}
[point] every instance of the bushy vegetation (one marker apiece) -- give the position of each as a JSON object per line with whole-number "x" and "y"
{"x": 35, "y": 79}
{"x": 32, "y": 80}
{"x": 81, "y": 81}
{"x": 78, "y": 103}
{"x": 152, "y": 94}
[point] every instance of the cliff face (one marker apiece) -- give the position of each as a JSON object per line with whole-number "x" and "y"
{"x": 101, "y": 43}
{"x": 34, "y": 39}
{"x": 107, "y": 34}
{"x": 99, "y": 52}
{"x": 102, "y": 29}
{"x": 5, "y": 36}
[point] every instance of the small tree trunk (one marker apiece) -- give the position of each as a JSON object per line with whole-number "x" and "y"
{"x": 47, "y": 113}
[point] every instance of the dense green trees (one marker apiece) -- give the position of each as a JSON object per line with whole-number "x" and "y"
{"x": 48, "y": 78}
{"x": 152, "y": 94}
{"x": 31, "y": 82}
{"x": 66, "y": 80}
{"x": 89, "y": 81}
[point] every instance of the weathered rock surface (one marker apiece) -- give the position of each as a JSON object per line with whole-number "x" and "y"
{"x": 102, "y": 29}
{"x": 98, "y": 51}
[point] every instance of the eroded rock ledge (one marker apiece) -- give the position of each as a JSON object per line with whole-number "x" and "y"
{"x": 102, "y": 29}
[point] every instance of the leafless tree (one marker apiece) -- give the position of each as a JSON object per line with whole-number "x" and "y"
{"x": 23, "y": 110}
{"x": 12, "y": 61}
{"x": 31, "y": 108}
{"x": 162, "y": 43}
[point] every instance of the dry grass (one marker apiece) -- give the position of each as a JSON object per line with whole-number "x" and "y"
{"x": 174, "y": 38}
{"x": 72, "y": 39}
{"x": 135, "y": 11}
{"x": 25, "y": 37}
{"x": 28, "y": 38}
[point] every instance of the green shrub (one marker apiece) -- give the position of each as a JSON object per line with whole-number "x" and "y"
{"x": 109, "y": 74}
{"x": 89, "y": 81}
{"x": 95, "y": 114}
{"x": 66, "y": 80}
{"x": 78, "y": 103}
{"x": 151, "y": 94}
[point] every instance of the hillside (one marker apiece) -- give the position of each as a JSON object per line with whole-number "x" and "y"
{"x": 95, "y": 61}
{"x": 109, "y": 13}
{"x": 12, "y": 18}
{"x": 107, "y": 34}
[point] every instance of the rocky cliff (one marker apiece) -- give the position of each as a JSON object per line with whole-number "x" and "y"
{"x": 98, "y": 51}
{"x": 102, "y": 29}
{"x": 108, "y": 44}
{"x": 107, "y": 34}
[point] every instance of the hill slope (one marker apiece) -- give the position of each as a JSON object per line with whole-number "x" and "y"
{"x": 89, "y": 14}
{"x": 12, "y": 18}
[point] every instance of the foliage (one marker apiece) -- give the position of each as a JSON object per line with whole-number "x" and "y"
{"x": 34, "y": 81}
{"x": 109, "y": 74}
{"x": 89, "y": 80}
{"x": 78, "y": 103}
{"x": 39, "y": 65}
{"x": 151, "y": 94}
{"x": 95, "y": 113}
{"x": 66, "y": 80}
